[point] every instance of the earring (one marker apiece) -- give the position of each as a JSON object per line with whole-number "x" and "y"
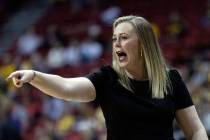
{"x": 141, "y": 52}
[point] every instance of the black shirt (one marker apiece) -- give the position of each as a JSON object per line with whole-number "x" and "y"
{"x": 136, "y": 115}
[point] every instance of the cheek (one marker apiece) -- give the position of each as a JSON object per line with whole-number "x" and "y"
{"x": 134, "y": 54}
{"x": 132, "y": 49}
{"x": 132, "y": 43}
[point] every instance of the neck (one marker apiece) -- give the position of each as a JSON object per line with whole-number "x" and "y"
{"x": 137, "y": 74}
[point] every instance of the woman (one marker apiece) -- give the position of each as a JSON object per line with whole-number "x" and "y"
{"x": 139, "y": 97}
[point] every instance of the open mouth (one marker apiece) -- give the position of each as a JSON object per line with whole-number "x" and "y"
{"x": 121, "y": 55}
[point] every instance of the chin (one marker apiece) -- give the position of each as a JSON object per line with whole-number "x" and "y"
{"x": 123, "y": 65}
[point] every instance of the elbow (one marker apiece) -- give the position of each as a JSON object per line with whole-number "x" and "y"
{"x": 78, "y": 89}
{"x": 199, "y": 134}
{"x": 72, "y": 94}
{"x": 68, "y": 94}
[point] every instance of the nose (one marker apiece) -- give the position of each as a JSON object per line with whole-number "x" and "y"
{"x": 117, "y": 43}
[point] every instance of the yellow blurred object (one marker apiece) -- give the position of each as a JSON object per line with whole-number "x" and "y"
{"x": 4, "y": 73}
{"x": 156, "y": 30}
{"x": 6, "y": 70}
{"x": 65, "y": 123}
{"x": 196, "y": 99}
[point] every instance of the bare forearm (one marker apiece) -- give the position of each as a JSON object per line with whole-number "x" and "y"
{"x": 52, "y": 85}
{"x": 76, "y": 89}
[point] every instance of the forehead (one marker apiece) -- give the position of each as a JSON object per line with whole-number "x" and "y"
{"x": 124, "y": 27}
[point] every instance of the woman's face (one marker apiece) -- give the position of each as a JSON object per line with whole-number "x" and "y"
{"x": 126, "y": 46}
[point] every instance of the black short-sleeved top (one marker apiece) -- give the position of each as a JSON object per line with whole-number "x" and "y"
{"x": 135, "y": 115}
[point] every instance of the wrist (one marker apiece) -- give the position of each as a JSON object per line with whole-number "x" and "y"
{"x": 33, "y": 76}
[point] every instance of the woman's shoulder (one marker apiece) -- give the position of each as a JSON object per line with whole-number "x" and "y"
{"x": 108, "y": 70}
{"x": 175, "y": 77}
{"x": 174, "y": 74}
{"x": 104, "y": 72}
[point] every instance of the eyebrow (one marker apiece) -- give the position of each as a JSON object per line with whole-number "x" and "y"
{"x": 121, "y": 34}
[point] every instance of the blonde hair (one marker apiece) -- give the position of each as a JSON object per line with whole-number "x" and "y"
{"x": 154, "y": 62}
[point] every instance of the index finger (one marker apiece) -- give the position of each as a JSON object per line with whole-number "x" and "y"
{"x": 14, "y": 74}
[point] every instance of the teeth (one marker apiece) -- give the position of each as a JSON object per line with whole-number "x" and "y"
{"x": 121, "y": 55}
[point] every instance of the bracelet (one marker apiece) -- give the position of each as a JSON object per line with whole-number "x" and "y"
{"x": 34, "y": 75}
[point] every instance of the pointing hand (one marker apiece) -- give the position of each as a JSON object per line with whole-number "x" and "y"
{"x": 22, "y": 76}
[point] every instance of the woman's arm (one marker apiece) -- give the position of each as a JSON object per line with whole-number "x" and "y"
{"x": 77, "y": 89}
{"x": 190, "y": 123}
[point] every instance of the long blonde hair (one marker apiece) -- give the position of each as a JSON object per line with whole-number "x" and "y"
{"x": 154, "y": 62}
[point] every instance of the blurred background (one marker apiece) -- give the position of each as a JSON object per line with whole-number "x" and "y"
{"x": 73, "y": 38}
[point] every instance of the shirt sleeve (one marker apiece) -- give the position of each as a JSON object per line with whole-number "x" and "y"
{"x": 99, "y": 79}
{"x": 181, "y": 94}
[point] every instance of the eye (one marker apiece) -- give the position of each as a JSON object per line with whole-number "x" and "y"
{"x": 114, "y": 39}
{"x": 124, "y": 37}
